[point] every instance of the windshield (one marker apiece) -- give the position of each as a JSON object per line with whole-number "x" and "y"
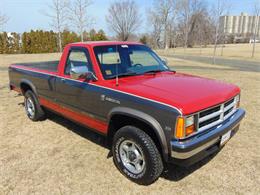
{"x": 127, "y": 60}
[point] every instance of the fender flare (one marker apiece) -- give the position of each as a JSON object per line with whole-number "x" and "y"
{"x": 149, "y": 120}
{"x": 27, "y": 82}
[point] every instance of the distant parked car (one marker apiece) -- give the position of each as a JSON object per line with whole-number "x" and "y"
{"x": 252, "y": 41}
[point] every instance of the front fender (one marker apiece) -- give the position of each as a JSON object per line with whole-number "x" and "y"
{"x": 151, "y": 121}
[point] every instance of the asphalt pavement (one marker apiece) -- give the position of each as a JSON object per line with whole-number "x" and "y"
{"x": 242, "y": 65}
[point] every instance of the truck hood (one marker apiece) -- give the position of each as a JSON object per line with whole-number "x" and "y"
{"x": 186, "y": 92}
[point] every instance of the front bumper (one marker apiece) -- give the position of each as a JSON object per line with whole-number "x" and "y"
{"x": 189, "y": 151}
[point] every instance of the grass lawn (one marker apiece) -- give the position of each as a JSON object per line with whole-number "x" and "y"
{"x": 55, "y": 156}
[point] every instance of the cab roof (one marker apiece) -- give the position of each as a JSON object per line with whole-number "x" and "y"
{"x": 104, "y": 43}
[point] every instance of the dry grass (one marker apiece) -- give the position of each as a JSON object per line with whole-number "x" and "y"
{"x": 57, "y": 157}
{"x": 240, "y": 51}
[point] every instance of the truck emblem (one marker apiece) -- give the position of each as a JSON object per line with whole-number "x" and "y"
{"x": 102, "y": 97}
{"x": 167, "y": 128}
{"x": 112, "y": 100}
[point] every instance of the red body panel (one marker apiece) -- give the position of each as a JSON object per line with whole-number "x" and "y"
{"x": 186, "y": 92}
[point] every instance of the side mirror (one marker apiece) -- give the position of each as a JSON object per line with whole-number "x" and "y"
{"x": 165, "y": 61}
{"x": 82, "y": 72}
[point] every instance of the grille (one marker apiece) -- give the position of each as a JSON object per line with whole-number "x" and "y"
{"x": 216, "y": 115}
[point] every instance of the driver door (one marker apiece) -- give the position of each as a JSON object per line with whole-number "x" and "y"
{"x": 76, "y": 94}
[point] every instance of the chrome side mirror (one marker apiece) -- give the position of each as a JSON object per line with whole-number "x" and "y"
{"x": 82, "y": 72}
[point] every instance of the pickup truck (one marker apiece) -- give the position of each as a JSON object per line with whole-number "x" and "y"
{"x": 151, "y": 114}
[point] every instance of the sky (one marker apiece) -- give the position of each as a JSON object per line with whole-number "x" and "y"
{"x": 25, "y": 15}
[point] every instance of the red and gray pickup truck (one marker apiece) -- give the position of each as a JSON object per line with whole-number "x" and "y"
{"x": 149, "y": 113}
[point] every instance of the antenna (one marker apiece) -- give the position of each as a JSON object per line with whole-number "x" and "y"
{"x": 117, "y": 75}
{"x": 117, "y": 83}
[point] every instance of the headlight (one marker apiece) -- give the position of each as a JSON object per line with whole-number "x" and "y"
{"x": 185, "y": 126}
{"x": 189, "y": 125}
{"x": 189, "y": 121}
{"x": 237, "y": 101}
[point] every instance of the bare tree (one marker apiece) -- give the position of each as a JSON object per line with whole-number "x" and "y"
{"x": 198, "y": 23}
{"x": 79, "y": 15}
{"x": 172, "y": 32}
{"x": 220, "y": 9}
{"x": 194, "y": 22}
{"x": 3, "y": 20}
{"x": 162, "y": 17}
{"x": 123, "y": 18}
{"x": 157, "y": 28}
{"x": 194, "y": 16}
{"x": 185, "y": 12}
{"x": 257, "y": 23}
{"x": 58, "y": 16}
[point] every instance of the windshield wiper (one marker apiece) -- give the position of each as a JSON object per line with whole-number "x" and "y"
{"x": 123, "y": 75}
{"x": 155, "y": 71}
{"x": 152, "y": 71}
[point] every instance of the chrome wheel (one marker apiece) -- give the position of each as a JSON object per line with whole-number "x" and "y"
{"x": 29, "y": 107}
{"x": 132, "y": 156}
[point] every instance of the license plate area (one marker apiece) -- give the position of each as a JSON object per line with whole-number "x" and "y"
{"x": 224, "y": 138}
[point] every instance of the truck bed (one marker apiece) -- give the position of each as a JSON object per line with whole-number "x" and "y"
{"x": 48, "y": 65}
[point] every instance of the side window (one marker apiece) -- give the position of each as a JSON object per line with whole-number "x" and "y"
{"x": 77, "y": 58}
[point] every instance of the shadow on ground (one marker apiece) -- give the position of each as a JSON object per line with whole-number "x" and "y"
{"x": 82, "y": 131}
{"x": 176, "y": 173}
{"x": 3, "y": 69}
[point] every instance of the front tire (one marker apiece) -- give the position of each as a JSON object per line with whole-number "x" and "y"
{"x": 32, "y": 106}
{"x": 136, "y": 155}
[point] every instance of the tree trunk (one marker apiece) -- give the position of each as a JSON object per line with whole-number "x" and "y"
{"x": 222, "y": 48}
{"x": 60, "y": 42}
{"x": 165, "y": 38}
{"x": 256, "y": 27}
{"x": 81, "y": 36}
{"x": 214, "y": 54}
{"x": 215, "y": 44}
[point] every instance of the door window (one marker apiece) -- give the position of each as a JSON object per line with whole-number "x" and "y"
{"x": 77, "y": 58}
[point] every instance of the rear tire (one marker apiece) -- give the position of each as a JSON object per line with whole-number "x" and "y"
{"x": 136, "y": 155}
{"x": 32, "y": 106}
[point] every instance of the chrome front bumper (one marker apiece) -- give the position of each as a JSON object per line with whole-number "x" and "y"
{"x": 187, "y": 148}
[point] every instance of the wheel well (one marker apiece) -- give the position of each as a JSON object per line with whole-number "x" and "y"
{"x": 117, "y": 121}
{"x": 25, "y": 87}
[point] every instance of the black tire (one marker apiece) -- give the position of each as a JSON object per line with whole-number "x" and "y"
{"x": 38, "y": 113}
{"x": 153, "y": 165}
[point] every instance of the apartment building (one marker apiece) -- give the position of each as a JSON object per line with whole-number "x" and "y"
{"x": 242, "y": 26}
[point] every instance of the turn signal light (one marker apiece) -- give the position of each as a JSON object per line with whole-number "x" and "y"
{"x": 237, "y": 101}
{"x": 179, "y": 131}
{"x": 189, "y": 130}
{"x": 184, "y": 127}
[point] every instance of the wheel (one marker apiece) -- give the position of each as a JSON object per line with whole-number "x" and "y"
{"x": 136, "y": 155}
{"x": 32, "y": 107}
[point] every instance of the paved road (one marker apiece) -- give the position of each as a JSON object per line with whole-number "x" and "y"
{"x": 242, "y": 65}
